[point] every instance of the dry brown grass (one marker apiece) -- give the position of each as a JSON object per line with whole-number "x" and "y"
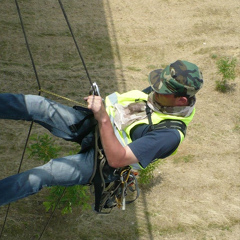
{"x": 195, "y": 194}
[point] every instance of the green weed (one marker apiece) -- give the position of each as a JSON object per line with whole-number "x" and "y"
{"x": 146, "y": 174}
{"x": 214, "y": 56}
{"x": 226, "y": 68}
{"x": 45, "y": 149}
{"x": 71, "y": 196}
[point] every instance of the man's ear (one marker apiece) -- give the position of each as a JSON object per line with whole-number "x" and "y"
{"x": 182, "y": 101}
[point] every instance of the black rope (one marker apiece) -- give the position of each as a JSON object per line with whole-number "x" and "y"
{"x": 45, "y": 227}
{"x": 74, "y": 39}
{"x": 39, "y": 92}
{"x": 31, "y": 125}
{"x": 28, "y": 48}
{"x": 83, "y": 62}
{"x": 19, "y": 168}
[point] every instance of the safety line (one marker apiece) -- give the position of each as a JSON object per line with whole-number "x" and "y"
{"x": 28, "y": 48}
{"x": 51, "y": 93}
{"x": 74, "y": 39}
{"x": 41, "y": 90}
{"x": 30, "y": 128}
{"x": 59, "y": 96}
{"x": 45, "y": 227}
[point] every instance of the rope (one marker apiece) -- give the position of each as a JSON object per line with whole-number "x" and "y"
{"x": 45, "y": 227}
{"x": 27, "y": 44}
{"x": 19, "y": 168}
{"x": 51, "y": 93}
{"x": 59, "y": 96}
{"x": 74, "y": 39}
{"x": 41, "y": 90}
{"x": 30, "y": 128}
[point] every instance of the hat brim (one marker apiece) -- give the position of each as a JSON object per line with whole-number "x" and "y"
{"x": 157, "y": 83}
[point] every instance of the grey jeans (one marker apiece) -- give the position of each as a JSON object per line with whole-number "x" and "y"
{"x": 62, "y": 121}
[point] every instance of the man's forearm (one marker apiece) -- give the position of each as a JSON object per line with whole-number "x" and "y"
{"x": 115, "y": 152}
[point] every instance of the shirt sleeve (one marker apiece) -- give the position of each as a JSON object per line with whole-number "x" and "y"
{"x": 148, "y": 146}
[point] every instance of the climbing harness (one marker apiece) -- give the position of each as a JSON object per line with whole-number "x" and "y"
{"x": 111, "y": 186}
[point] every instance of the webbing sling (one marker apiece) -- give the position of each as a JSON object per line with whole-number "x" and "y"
{"x": 98, "y": 184}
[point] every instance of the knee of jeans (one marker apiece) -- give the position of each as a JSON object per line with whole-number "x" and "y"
{"x": 38, "y": 178}
{"x": 34, "y": 104}
{"x": 35, "y": 182}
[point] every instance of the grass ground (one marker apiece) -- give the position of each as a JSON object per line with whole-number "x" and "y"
{"x": 195, "y": 194}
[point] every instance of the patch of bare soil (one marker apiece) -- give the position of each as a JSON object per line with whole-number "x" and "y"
{"x": 195, "y": 194}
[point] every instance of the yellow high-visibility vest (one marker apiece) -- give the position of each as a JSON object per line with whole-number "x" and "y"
{"x": 131, "y": 97}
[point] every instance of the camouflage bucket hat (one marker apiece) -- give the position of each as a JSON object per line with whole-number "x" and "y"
{"x": 180, "y": 78}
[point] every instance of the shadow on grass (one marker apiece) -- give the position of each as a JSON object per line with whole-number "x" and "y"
{"x": 60, "y": 70}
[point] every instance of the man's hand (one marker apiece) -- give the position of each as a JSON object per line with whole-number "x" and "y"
{"x": 95, "y": 103}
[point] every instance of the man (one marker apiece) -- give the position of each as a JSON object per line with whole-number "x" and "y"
{"x": 129, "y": 128}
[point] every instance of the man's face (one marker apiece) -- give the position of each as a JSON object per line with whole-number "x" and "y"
{"x": 165, "y": 100}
